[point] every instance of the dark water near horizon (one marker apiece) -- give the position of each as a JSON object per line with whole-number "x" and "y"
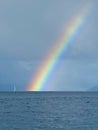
{"x": 49, "y": 111}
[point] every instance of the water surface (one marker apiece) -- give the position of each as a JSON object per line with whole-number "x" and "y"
{"x": 49, "y": 111}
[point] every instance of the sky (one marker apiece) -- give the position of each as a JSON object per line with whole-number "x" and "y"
{"x": 28, "y": 28}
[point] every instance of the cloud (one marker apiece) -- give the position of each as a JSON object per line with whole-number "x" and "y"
{"x": 25, "y": 65}
{"x": 73, "y": 75}
{"x": 28, "y": 29}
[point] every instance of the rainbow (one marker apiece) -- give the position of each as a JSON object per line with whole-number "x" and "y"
{"x": 38, "y": 82}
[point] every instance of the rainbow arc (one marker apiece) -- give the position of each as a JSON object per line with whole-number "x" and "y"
{"x": 65, "y": 40}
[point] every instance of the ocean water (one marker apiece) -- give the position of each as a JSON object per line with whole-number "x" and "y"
{"x": 49, "y": 111}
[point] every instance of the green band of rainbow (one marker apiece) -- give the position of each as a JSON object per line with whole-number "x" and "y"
{"x": 37, "y": 83}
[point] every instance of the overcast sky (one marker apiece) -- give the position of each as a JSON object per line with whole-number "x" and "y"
{"x": 28, "y": 28}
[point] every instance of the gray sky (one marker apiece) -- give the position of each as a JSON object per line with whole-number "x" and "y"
{"x": 28, "y": 28}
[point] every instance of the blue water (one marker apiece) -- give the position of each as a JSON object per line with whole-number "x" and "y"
{"x": 49, "y": 111}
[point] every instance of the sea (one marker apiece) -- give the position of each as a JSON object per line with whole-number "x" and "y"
{"x": 48, "y": 111}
